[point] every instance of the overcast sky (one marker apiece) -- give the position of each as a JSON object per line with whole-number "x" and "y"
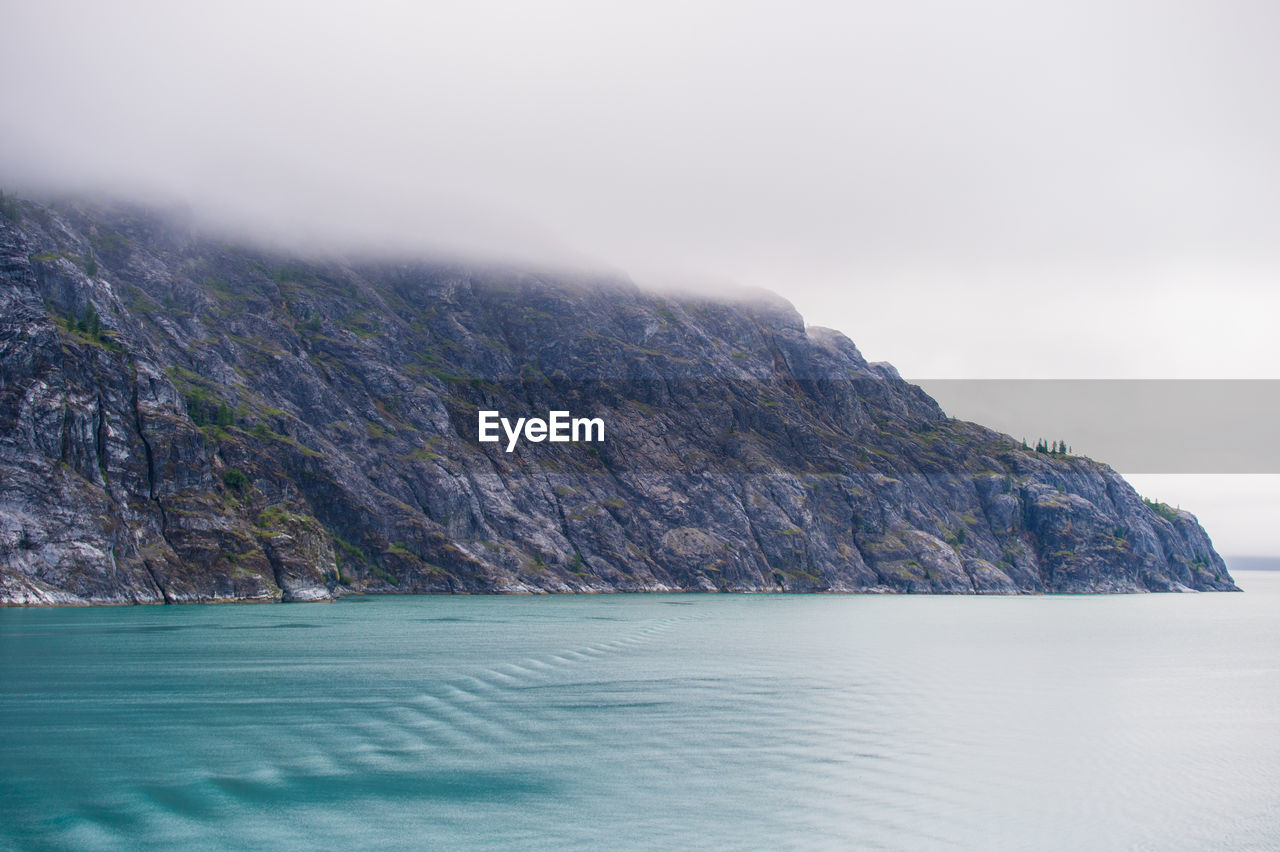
{"x": 981, "y": 189}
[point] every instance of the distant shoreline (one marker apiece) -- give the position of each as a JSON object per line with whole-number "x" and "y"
{"x": 349, "y": 595}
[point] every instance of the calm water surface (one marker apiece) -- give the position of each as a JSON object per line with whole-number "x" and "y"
{"x": 1148, "y": 721}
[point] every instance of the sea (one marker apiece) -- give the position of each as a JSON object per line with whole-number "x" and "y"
{"x": 647, "y": 721}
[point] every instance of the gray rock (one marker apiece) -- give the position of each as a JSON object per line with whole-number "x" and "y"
{"x": 240, "y": 425}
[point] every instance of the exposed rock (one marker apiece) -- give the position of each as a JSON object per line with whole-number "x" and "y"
{"x": 196, "y": 421}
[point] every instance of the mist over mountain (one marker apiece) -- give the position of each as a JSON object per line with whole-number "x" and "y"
{"x": 187, "y": 418}
{"x": 990, "y": 190}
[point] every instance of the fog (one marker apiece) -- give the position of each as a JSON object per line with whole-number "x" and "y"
{"x": 978, "y": 190}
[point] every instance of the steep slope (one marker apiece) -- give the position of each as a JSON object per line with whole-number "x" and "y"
{"x": 187, "y": 420}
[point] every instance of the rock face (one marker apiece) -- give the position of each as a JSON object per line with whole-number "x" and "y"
{"x": 187, "y": 420}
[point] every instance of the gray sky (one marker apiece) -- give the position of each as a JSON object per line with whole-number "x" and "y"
{"x": 983, "y": 189}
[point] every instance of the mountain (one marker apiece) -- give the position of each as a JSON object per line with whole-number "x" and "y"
{"x": 185, "y": 419}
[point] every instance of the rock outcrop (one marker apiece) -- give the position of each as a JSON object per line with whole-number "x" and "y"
{"x": 184, "y": 420}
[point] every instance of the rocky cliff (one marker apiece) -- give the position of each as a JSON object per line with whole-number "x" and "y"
{"x": 183, "y": 419}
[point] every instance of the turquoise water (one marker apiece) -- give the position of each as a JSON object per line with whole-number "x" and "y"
{"x": 647, "y": 720}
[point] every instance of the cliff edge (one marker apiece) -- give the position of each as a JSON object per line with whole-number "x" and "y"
{"x": 186, "y": 420}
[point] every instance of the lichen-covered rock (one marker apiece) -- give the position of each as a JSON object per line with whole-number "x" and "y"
{"x": 185, "y": 420}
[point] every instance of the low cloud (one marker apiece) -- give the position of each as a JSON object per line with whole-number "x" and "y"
{"x": 984, "y": 189}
